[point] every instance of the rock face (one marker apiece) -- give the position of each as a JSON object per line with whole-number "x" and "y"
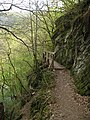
{"x": 72, "y": 38}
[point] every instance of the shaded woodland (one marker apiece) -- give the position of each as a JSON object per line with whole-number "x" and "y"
{"x": 61, "y": 27}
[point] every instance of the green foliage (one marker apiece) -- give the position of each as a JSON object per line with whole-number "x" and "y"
{"x": 17, "y": 54}
{"x": 15, "y": 63}
{"x": 39, "y": 109}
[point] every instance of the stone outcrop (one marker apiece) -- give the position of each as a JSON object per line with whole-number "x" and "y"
{"x": 72, "y": 38}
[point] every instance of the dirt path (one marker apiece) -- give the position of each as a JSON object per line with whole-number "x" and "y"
{"x": 68, "y": 104}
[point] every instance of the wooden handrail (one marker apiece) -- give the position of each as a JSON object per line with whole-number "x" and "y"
{"x": 48, "y": 57}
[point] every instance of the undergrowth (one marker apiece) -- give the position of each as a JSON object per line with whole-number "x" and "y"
{"x": 39, "y": 108}
{"x": 40, "y": 83}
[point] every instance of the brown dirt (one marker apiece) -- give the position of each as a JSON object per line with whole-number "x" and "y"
{"x": 68, "y": 105}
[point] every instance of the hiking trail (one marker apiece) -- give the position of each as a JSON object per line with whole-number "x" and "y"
{"x": 68, "y": 105}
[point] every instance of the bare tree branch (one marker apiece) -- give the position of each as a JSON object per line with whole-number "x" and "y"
{"x": 25, "y": 9}
{"x": 15, "y": 37}
{"x": 7, "y": 9}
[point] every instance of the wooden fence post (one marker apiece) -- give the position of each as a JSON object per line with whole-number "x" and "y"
{"x": 48, "y": 60}
{"x": 52, "y": 61}
{"x": 44, "y": 57}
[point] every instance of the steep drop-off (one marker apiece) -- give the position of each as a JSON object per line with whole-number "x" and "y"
{"x": 72, "y": 41}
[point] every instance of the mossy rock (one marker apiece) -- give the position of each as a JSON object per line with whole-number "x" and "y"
{"x": 74, "y": 45}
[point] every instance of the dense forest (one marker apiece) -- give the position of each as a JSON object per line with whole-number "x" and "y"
{"x": 27, "y": 30}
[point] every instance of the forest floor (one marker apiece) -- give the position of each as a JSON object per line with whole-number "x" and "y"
{"x": 68, "y": 105}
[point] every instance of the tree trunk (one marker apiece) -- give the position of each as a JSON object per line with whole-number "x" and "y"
{"x": 1, "y": 111}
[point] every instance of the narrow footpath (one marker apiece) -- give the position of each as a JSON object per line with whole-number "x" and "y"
{"x": 68, "y": 105}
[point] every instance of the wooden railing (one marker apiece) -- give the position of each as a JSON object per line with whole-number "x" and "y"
{"x": 48, "y": 58}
